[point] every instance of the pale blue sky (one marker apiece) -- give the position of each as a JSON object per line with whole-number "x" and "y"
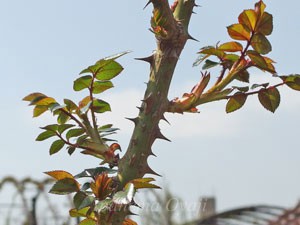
{"x": 251, "y": 156}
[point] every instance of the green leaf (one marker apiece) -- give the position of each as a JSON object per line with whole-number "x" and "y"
{"x": 101, "y": 86}
{"x": 109, "y": 70}
{"x": 56, "y": 146}
{"x": 100, "y": 106}
{"x": 65, "y": 186}
{"x": 71, "y": 150}
{"x": 265, "y": 25}
{"x": 45, "y": 135}
{"x": 261, "y": 44}
{"x": 243, "y": 76}
{"x": 39, "y": 110}
{"x": 62, "y": 118}
{"x": 55, "y": 106}
{"x": 78, "y": 198}
{"x": 74, "y": 133}
{"x": 107, "y": 129}
{"x": 248, "y": 18}
{"x": 236, "y": 102}
{"x": 87, "y": 222}
{"x": 70, "y": 105}
{"x": 124, "y": 197}
{"x": 82, "y": 200}
{"x": 62, "y": 128}
{"x": 231, "y": 57}
{"x": 209, "y": 64}
{"x": 269, "y": 98}
{"x": 80, "y": 140}
{"x": 238, "y": 32}
{"x": 82, "y": 83}
{"x": 51, "y": 127}
{"x": 232, "y": 46}
{"x": 292, "y": 81}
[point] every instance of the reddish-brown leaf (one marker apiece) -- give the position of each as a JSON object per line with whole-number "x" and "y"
{"x": 102, "y": 186}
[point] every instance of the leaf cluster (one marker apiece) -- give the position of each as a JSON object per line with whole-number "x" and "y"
{"x": 76, "y": 126}
{"x": 97, "y": 197}
{"x": 247, "y": 49}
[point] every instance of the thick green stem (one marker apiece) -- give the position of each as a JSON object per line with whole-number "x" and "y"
{"x": 155, "y": 103}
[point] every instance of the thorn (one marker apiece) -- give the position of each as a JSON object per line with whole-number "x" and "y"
{"x": 148, "y": 59}
{"x": 164, "y": 118}
{"x": 151, "y": 153}
{"x": 195, "y": 5}
{"x": 134, "y": 120}
{"x": 191, "y": 38}
{"x": 194, "y": 12}
{"x": 151, "y": 171}
{"x": 134, "y": 204}
{"x": 147, "y": 4}
{"x": 159, "y": 135}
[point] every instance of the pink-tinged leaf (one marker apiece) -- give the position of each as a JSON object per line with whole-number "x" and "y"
{"x": 238, "y": 32}
{"x": 232, "y": 46}
{"x": 248, "y": 18}
{"x": 269, "y": 98}
{"x": 59, "y": 174}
